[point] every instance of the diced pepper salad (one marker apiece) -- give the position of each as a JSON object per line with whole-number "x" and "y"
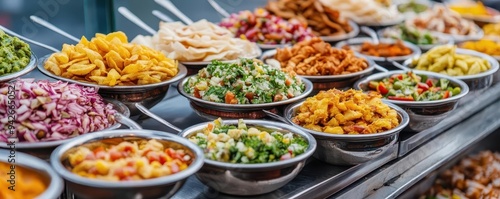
{"x": 242, "y": 144}
{"x": 138, "y": 160}
{"x": 247, "y": 82}
{"x": 414, "y": 87}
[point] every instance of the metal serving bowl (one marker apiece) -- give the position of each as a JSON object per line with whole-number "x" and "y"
{"x": 441, "y": 39}
{"x": 423, "y": 114}
{"x": 206, "y": 109}
{"x": 44, "y": 149}
{"x": 28, "y": 68}
{"x": 457, "y": 38}
{"x": 161, "y": 187}
{"x": 148, "y": 95}
{"x": 55, "y": 184}
{"x": 355, "y": 44}
{"x": 477, "y": 83}
{"x": 351, "y": 149}
{"x": 325, "y": 82}
{"x": 252, "y": 179}
{"x": 496, "y": 76}
{"x": 194, "y": 66}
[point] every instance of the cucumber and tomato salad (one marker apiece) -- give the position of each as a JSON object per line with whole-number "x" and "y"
{"x": 414, "y": 87}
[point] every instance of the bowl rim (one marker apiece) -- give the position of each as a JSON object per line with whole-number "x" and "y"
{"x": 180, "y": 74}
{"x": 28, "y": 68}
{"x": 358, "y": 40}
{"x": 371, "y": 66}
{"x": 141, "y": 133}
{"x": 490, "y": 38}
{"x": 493, "y": 62}
{"x": 32, "y": 163}
{"x": 378, "y": 76}
{"x": 308, "y": 89}
{"x": 456, "y": 38}
{"x": 198, "y": 63}
{"x": 404, "y": 121}
{"x": 353, "y": 33}
{"x": 263, "y": 123}
{"x": 48, "y": 144}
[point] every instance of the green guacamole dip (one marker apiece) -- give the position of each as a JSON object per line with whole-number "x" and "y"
{"x": 14, "y": 54}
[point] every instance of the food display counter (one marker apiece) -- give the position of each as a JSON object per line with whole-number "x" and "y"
{"x": 258, "y": 104}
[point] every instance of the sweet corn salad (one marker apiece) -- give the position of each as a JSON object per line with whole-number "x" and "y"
{"x": 240, "y": 144}
{"x": 126, "y": 161}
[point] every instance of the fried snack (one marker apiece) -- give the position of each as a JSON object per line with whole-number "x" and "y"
{"x": 316, "y": 57}
{"x": 486, "y": 46}
{"x": 111, "y": 60}
{"x": 492, "y": 30}
{"x": 346, "y": 112}
{"x": 440, "y": 19}
{"x": 384, "y": 49}
{"x": 200, "y": 41}
{"x": 444, "y": 60}
{"x": 477, "y": 176}
{"x": 323, "y": 21}
{"x": 364, "y": 11}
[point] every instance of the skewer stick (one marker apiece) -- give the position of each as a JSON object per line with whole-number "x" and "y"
{"x": 48, "y": 25}
{"x": 172, "y": 8}
{"x": 28, "y": 40}
{"x": 134, "y": 19}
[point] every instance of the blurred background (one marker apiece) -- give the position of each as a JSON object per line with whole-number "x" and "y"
{"x": 86, "y": 17}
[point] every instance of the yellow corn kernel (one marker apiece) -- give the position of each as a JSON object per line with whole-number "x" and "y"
{"x": 102, "y": 167}
{"x": 155, "y": 164}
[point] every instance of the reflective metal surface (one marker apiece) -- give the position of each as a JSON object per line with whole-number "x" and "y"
{"x": 163, "y": 187}
{"x": 252, "y": 179}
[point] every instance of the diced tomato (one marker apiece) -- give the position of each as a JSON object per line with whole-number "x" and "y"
{"x": 423, "y": 86}
{"x": 420, "y": 91}
{"x": 153, "y": 156}
{"x": 286, "y": 156}
{"x": 172, "y": 153}
{"x": 130, "y": 163}
{"x": 288, "y": 82}
{"x": 403, "y": 98}
{"x": 278, "y": 97}
{"x": 162, "y": 158}
{"x": 382, "y": 89}
{"x": 174, "y": 167}
{"x": 429, "y": 83}
{"x": 146, "y": 152}
{"x": 100, "y": 155}
{"x": 119, "y": 172}
{"x": 115, "y": 155}
{"x": 230, "y": 98}
{"x": 98, "y": 149}
{"x": 129, "y": 171}
{"x": 196, "y": 93}
{"x": 93, "y": 170}
{"x": 90, "y": 156}
{"x": 249, "y": 96}
{"x": 128, "y": 148}
{"x": 398, "y": 76}
{"x": 446, "y": 94}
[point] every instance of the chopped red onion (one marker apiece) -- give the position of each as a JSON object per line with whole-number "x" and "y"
{"x": 48, "y": 111}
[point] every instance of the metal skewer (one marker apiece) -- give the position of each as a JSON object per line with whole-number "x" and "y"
{"x": 218, "y": 8}
{"x": 156, "y": 117}
{"x": 48, "y": 25}
{"x": 172, "y": 8}
{"x": 162, "y": 16}
{"x": 134, "y": 19}
{"x": 28, "y": 40}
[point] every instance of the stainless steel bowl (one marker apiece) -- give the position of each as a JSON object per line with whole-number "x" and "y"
{"x": 44, "y": 149}
{"x": 28, "y": 68}
{"x": 238, "y": 110}
{"x": 441, "y": 39}
{"x": 148, "y": 95}
{"x": 423, "y": 114}
{"x": 252, "y": 179}
{"x": 351, "y": 149}
{"x": 457, "y": 38}
{"x": 477, "y": 83}
{"x": 161, "y": 187}
{"x": 355, "y": 44}
{"x": 55, "y": 186}
{"x": 325, "y": 82}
